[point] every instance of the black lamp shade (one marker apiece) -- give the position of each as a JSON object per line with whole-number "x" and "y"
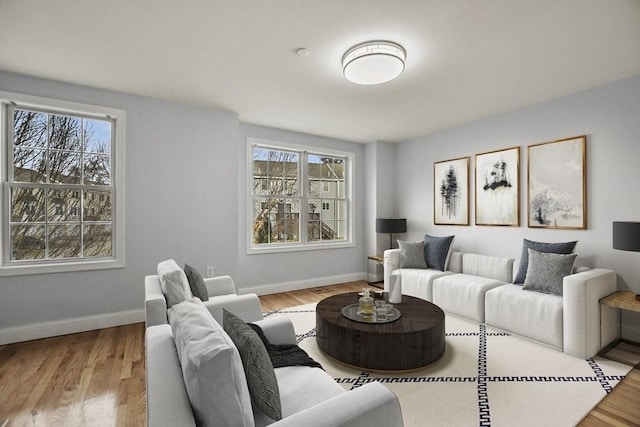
{"x": 388, "y": 225}
{"x": 626, "y": 236}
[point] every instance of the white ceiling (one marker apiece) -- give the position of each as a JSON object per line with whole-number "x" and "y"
{"x": 466, "y": 59}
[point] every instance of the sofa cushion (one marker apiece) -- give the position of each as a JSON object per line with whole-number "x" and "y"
{"x": 419, "y": 282}
{"x": 557, "y": 248}
{"x": 546, "y": 271}
{"x": 173, "y": 282}
{"x": 261, "y": 379}
{"x": 196, "y": 284}
{"x": 301, "y": 387}
{"x": 437, "y": 251}
{"x": 530, "y": 314}
{"x": 488, "y": 266}
{"x": 412, "y": 254}
{"x": 463, "y": 294}
{"x": 211, "y": 367}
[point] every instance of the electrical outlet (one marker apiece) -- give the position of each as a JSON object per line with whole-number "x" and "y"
{"x": 210, "y": 271}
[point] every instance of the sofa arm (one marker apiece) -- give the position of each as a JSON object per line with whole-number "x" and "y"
{"x": 370, "y": 405}
{"x": 392, "y": 259}
{"x": 586, "y": 324}
{"x": 278, "y": 330}
{"x": 220, "y": 285}
{"x": 155, "y": 305}
{"x": 247, "y": 307}
{"x": 167, "y": 399}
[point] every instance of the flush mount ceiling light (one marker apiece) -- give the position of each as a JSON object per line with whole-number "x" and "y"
{"x": 373, "y": 62}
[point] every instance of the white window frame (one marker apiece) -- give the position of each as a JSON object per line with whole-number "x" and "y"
{"x": 118, "y": 118}
{"x": 303, "y": 244}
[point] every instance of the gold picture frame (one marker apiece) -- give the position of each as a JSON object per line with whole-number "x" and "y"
{"x": 451, "y": 192}
{"x": 497, "y": 187}
{"x": 556, "y": 194}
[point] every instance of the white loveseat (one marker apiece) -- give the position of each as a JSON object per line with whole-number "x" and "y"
{"x": 479, "y": 287}
{"x": 309, "y": 396}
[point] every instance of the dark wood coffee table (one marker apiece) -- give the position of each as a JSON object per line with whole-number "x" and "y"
{"x": 413, "y": 341}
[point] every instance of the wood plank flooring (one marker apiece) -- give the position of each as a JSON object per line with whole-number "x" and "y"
{"x": 97, "y": 378}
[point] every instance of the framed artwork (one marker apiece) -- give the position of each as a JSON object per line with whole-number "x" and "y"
{"x": 451, "y": 192}
{"x": 557, "y": 195}
{"x": 497, "y": 187}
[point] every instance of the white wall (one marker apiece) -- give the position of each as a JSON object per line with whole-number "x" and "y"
{"x": 176, "y": 158}
{"x": 608, "y": 115}
{"x": 277, "y": 272}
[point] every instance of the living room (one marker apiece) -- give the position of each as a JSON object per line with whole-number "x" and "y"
{"x": 186, "y": 168}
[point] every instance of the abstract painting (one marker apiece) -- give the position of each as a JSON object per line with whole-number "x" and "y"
{"x": 451, "y": 192}
{"x": 497, "y": 187}
{"x": 557, "y": 186}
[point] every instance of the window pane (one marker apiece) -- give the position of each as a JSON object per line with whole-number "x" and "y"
{"x": 27, "y": 242}
{"x": 29, "y": 129}
{"x": 65, "y": 133}
{"x": 314, "y": 165}
{"x": 315, "y": 230}
{"x": 27, "y": 205}
{"x": 97, "y": 241}
{"x": 97, "y": 169}
{"x": 97, "y": 136}
{"x": 64, "y": 241}
{"x": 97, "y": 206}
{"x": 64, "y": 167}
{"x": 29, "y": 165}
{"x": 262, "y": 212}
{"x": 64, "y": 206}
{"x": 341, "y": 230}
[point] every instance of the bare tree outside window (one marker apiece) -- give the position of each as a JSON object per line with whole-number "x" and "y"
{"x": 60, "y": 186}
{"x": 279, "y": 201}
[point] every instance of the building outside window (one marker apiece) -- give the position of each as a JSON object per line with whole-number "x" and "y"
{"x": 300, "y": 197}
{"x": 61, "y": 174}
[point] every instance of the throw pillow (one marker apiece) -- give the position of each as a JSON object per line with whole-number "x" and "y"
{"x": 556, "y": 248}
{"x": 546, "y": 271}
{"x": 437, "y": 251}
{"x": 411, "y": 254}
{"x": 261, "y": 378}
{"x": 211, "y": 367}
{"x": 173, "y": 282}
{"x": 198, "y": 288}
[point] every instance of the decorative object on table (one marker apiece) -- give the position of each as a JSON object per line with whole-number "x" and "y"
{"x": 498, "y": 187}
{"x": 557, "y": 185}
{"x": 391, "y": 314}
{"x": 366, "y": 307}
{"x": 451, "y": 192}
{"x": 395, "y": 289}
{"x": 626, "y": 237}
{"x": 391, "y": 226}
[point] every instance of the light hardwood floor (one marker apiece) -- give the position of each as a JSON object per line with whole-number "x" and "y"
{"x": 97, "y": 378}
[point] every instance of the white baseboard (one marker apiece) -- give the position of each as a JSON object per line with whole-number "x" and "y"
{"x": 69, "y": 326}
{"x": 297, "y": 285}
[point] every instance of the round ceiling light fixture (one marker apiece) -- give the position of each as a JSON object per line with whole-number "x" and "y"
{"x": 373, "y": 62}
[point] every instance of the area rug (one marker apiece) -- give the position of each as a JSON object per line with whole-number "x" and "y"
{"x": 485, "y": 378}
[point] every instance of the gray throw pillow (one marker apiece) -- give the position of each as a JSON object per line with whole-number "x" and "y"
{"x": 412, "y": 254}
{"x": 436, "y": 251}
{"x": 555, "y": 248}
{"x": 546, "y": 271}
{"x": 261, "y": 378}
{"x": 198, "y": 288}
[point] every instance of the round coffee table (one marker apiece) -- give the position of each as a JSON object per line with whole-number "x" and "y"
{"x": 413, "y": 341}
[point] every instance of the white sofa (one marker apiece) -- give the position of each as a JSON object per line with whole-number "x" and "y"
{"x": 479, "y": 287}
{"x": 309, "y": 396}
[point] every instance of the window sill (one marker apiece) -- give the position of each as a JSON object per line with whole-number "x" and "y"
{"x": 298, "y": 248}
{"x": 22, "y": 270}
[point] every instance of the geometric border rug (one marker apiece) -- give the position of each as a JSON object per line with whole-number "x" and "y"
{"x": 486, "y": 377}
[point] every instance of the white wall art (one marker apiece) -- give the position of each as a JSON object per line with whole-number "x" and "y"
{"x": 497, "y": 187}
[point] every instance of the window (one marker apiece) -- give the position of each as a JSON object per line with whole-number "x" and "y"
{"x": 62, "y": 185}
{"x": 300, "y": 198}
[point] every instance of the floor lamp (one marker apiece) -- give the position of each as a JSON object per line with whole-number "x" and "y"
{"x": 626, "y": 237}
{"x": 388, "y": 225}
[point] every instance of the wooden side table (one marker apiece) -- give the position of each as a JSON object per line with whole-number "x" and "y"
{"x": 623, "y": 300}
